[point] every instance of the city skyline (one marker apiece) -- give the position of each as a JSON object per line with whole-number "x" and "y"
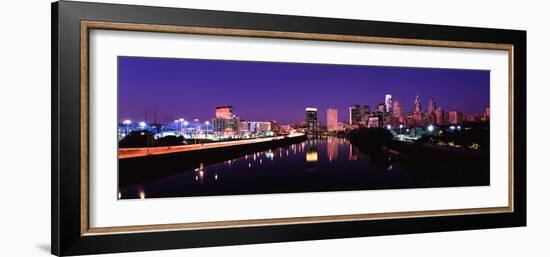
{"x": 190, "y": 88}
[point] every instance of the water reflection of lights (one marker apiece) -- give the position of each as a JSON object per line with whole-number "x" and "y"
{"x": 141, "y": 194}
{"x": 249, "y": 165}
{"x": 216, "y": 177}
{"x": 260, "y": 161}
{"x": 311, "y": 156}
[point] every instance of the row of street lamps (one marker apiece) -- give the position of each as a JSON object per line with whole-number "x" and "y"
{"x": 185, "y": 123}
{"x": 181, "y": 122}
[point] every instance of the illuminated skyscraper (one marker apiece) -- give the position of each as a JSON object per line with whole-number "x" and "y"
{"x": 225, "y": 121}
{"x": 355, "y": 114}
{"x": 417, "y": 104}
{"x": 398, "y": 112}
{"x": 311, "y": 118}
{"x": 332, "y": 119}
{"x": 388, "y": 103}
{"x": 455, "y": 117}
{"x": 417, "y": 115}
{"x": 439, "y": 116}
{"x": 431, "y": 105}
{"x": 366, "y": 114}
{"x": 224, "y": 112}
{"x": 381, "y": 107}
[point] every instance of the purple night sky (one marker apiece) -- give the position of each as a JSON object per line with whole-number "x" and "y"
{"x": 261, "y": 91}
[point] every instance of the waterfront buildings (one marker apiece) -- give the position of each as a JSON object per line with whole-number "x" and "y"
{"x": 366, "y": 114}
{"x": 374, "y": 122}
{"x": 257, "y": 127}
{"x": 398, "y": 116}
{"x": 224, "y": 112}
{"x": 311, "y": 119}
{"x": 355, "y": 115}
{"x": 455, "y": 117}
{"x": 225, "y": 122}
{"x": 332, "y": 120}
{"x": 388, "y": 103}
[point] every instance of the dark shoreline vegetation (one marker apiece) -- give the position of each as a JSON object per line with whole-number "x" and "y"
{"x": 145, "y": 138}
{"x": 459, "y": 155}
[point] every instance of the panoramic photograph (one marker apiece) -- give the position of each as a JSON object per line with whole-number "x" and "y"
{"x": 198, "y": 127}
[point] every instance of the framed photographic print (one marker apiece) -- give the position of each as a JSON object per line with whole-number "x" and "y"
{"x": 177, "y": 128}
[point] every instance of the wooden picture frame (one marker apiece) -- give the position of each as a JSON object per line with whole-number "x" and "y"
{"x": 71, "y": 232}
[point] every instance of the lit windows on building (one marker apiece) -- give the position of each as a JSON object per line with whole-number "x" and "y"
{"x": 332, "y": 119}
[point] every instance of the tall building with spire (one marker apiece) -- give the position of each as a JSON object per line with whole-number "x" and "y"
{"x": 431, "y": 117}
{"x": 417, "y": 115}
{"x": 417, "y": 104}
{"x": 431, "y": 105}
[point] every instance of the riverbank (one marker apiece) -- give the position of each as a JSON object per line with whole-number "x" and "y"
{"x": 166, "y": 161}
{"x": 124, "y": 153}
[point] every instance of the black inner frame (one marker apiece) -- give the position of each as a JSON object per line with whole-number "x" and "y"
{"x": 65, "y": 211}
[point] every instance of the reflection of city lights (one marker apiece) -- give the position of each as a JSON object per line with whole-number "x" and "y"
{"x": 196, "y": 178}
{"x": 260, "y": 161}
{"x": 142, "y": 194}
{"x": 216, "y": 177}
{"x": 311, "y": 156}
{"x": 201, "y": 173}
{"x": 249, "y": 165}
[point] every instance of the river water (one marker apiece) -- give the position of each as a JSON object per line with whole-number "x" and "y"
{"x": 315, "y": 165}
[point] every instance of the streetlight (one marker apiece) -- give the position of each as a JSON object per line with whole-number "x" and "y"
{"x": 185, "y": 123}
{"x": 431, "y": 128}
{"x": 179, "y": 122}
{"x": 196, "y": 129}
{"x": 389, "y": 127}
{"x": 127, "y": 123}
{"x": 400, "y": 127}
{"x": 143, "y": 124}
{"x": 206, "y": 123}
